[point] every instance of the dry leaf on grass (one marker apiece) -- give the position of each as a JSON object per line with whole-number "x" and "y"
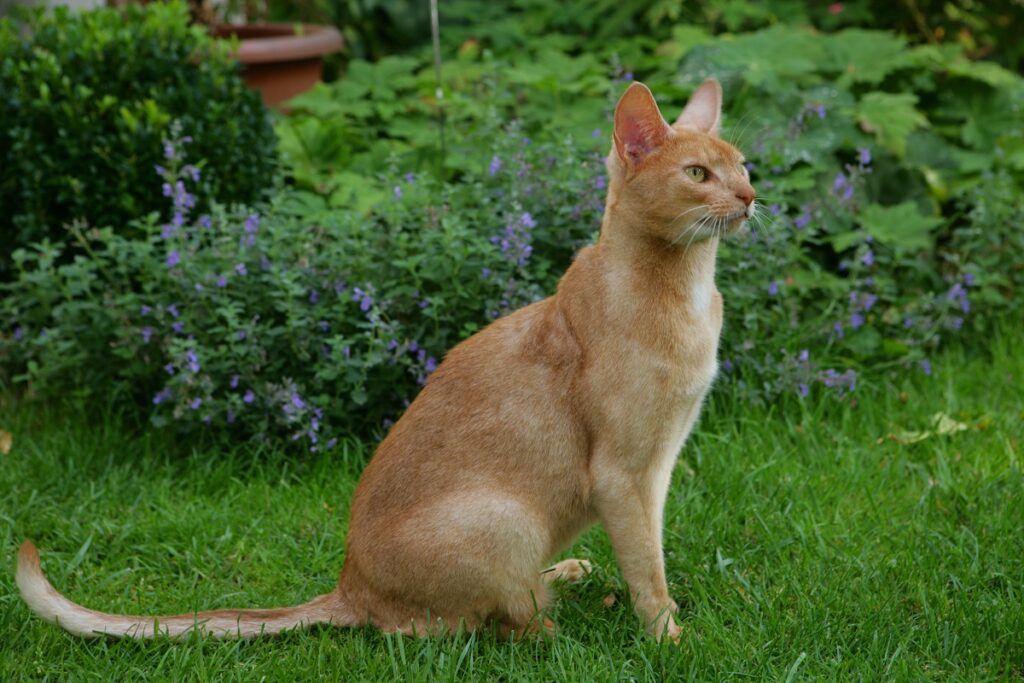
{"x": 6, "y": 441}
{"x": 942, "y": 424}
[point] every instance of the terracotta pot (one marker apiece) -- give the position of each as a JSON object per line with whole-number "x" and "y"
{"x": 278, "y": 62}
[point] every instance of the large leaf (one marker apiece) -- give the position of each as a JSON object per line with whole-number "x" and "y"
{"x": 901, "y": 226}
{"x": 866, "y": 56}
{"x": 772, "y": 57}
{"x": 891, "y": 117}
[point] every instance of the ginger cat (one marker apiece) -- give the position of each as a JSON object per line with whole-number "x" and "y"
{"x": 569, "y": 411}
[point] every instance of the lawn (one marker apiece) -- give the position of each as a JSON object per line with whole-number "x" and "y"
{"x": 803, "y": 540}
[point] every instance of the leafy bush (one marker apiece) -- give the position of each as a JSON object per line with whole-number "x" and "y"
{"x": 87, "y": 98}
{"x": 889, "y": 180}
{"x": 302, "y": 321}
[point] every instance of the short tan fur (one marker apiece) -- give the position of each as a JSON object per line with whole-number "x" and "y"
{"x": 567, "y": 412}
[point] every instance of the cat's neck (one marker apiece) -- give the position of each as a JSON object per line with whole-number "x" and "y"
{"x": 682, "y": 270}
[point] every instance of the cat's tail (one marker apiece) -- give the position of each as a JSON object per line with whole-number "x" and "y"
{"x": 45, "y": 601}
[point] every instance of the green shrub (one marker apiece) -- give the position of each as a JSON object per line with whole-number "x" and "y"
{"x": 87, "y": 98}
{"x": 331, "y": 319}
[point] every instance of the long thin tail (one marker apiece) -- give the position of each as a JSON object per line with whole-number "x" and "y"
{"x": 45, "y": 601}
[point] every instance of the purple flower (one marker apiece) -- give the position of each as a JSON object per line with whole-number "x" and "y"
{"x": 178, "y": 219}
{"x": 908, "y": 323}
{"x": 146, "y": 310}
{"x": 173, "y": 310}
{"x": 231, "y": 417}
{"x": 869, "y": 301}
{"x": 527, "y": 220}
{"x": 19, "y": 333}
{"x": 839, "y": 182}
{"x": 241, "y": 269}
{"x": 178, "y": 327}
{"x": 147, "y": 334}
{"x": 160, "y": 170}
{"x": 410, "y": 177}
{"x": 838, "y": 329}
{"x": 398, "y": 192}
{"x": 773, "y": 287}
{"x": 864, "y": 156}
{"x": 249, "y": 397}
{"x": 495, "y": 166}
{"x": 330, "y": 444}
{"x": 846, "y": 381}
{"x": 392, "y": 344}
{"x": 819, "y": 109}
{"x": 167, "y": 231}
{"x": 600, "y": 182}
{"x": 596, "y": 133}
{"x": 926, "y": 366}
{"x": 193, "y": 172}
{"x": 162, "y": 395}
{"x": 314, "y": 296}
{"x": 804, "y": 356}
{"x": 297, "y": 401}
{"x": 166, "y": 189}
{"x": 242, "y": 334}
{"x": 173, "y": 259}
{"x": 775, "y": 210}
{"x": 193, "y": 360}
{"x": 252, "y": 222}
{"x": 856, "y": 320}
{"x": 413, "y": 346}
{"x": 425, "y": 303}
{"x": 339, "y": 287}
{"x": 204, "y": 221}
{"x": 956, "y": 323}
{"x": 628, "y": 76}
{"x": 168, "y": 150}
{"x": 802, "y": 220}
{"x": 727, "y": 365}
{"x": 803, "y": 390}
{"x": 363, "y": 297}
{"x": 969, "y": 279}
{"x": 869, "y": 281}
{"x": 222, "y": 281}
{"x": 430, "y": 365}
{"x": 485, "y": 273}
{"x": 169, "y": 368}
{"x": 234, "y": 381}
{"x": 868, "y": 259}
{"x": 196, "y": 402}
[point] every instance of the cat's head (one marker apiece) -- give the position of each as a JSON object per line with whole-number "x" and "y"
{"x": 680, "y": 183}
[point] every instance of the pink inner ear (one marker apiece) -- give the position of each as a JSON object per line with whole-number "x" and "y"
{"x": 639, "y": 128}
{"x": 640, "y": 136}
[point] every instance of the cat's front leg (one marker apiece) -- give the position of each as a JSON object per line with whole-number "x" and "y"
{"x": 629, "y": 503}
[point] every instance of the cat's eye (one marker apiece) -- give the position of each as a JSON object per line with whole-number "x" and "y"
{"x": 697, "y": 173}
{"x": 743, "y": 168}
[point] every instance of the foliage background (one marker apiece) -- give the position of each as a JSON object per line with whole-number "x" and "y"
{"x": 889, "y": 167}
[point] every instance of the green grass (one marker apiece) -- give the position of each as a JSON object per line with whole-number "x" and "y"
{"x": 800, "y": 543}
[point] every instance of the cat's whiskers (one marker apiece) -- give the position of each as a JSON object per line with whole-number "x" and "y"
{"x": 695, "y": 208}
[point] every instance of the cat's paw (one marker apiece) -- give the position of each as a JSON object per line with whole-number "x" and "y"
{"x": 568, "y": 570}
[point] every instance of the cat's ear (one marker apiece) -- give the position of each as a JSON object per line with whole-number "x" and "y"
{"x": 639, "y": 127}
{"x": 704, "y": 110}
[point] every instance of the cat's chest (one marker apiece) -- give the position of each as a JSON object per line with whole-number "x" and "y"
{"x": 672, "y": 354}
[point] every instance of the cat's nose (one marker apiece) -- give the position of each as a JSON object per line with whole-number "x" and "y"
{"x": 746, "y": 195}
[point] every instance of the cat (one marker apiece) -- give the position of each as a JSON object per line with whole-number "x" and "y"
{"x": 564, "y": 413}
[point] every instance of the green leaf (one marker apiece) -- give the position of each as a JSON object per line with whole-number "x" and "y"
{"x": 891, "y": 117}
{"x": 866, "y": 56}
{"x": 902, "y": 226}
{"x": 986, "y": 72}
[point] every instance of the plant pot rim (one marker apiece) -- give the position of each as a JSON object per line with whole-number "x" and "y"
{"x": 278, "y": 42}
